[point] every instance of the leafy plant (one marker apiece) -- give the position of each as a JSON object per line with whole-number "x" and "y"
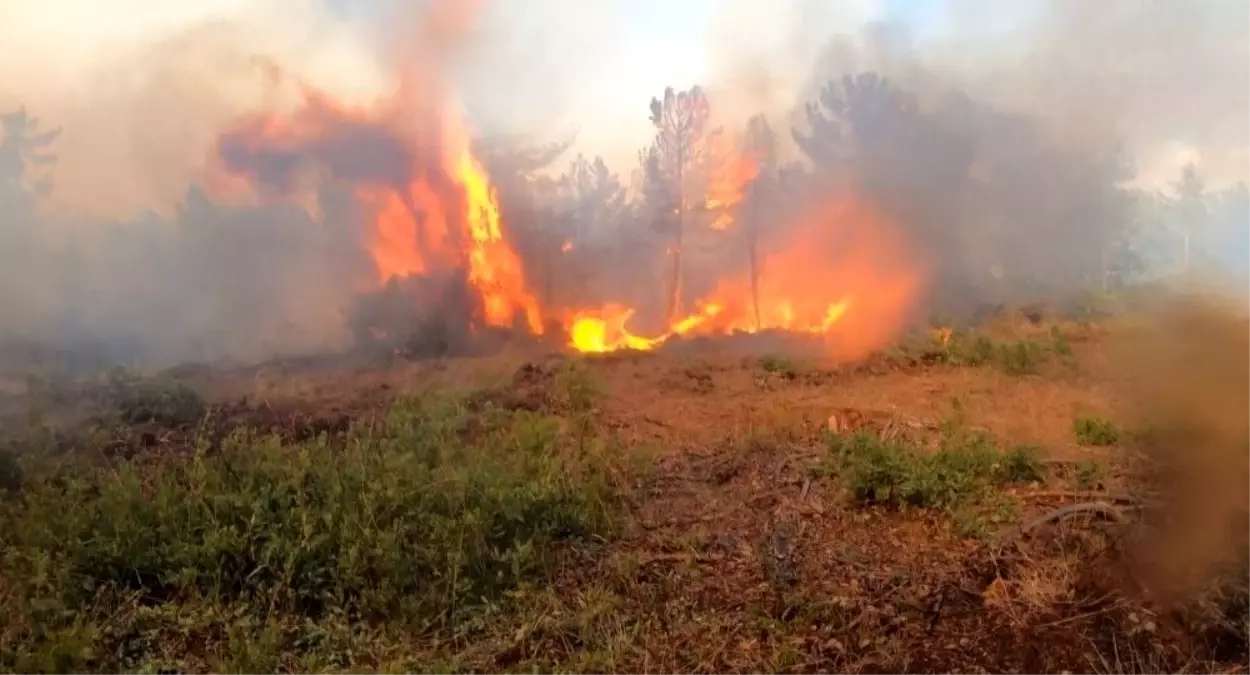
{"x": 1095, "y": 431}
{"x": 428, "y": 519}
{"x": 896, "y": 474}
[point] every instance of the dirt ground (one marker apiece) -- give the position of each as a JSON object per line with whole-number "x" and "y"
{"x": 739, "y": 555}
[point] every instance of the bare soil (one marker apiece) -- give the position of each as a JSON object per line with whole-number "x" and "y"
{"x": 739, "y": 555}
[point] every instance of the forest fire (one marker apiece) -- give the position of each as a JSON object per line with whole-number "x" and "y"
{"x": 434, "y": 208}
{"x": 732, "y": 173}
{"x": 833, "y": 267}
{"x": 845, "y": 274}
{"x": 428, "y": 212}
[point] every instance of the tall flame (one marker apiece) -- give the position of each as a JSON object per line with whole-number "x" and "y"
{"x": 494, "y": 268}
{"x": 731, "y": 175}
{"x": 432, "y": 208}
{"x": 845, "y": 270}
{"x": 409, "y": 158}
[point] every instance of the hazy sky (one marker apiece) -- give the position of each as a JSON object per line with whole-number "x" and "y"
{"x": 142, "y": 86}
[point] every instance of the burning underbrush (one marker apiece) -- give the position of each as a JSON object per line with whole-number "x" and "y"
{"x": 425, "y": 317}
{"x": 449, "y": 278}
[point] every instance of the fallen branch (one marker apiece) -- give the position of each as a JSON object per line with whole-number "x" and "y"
{"x": 1088, "y": 496}
{"x": 1109, "y": 511}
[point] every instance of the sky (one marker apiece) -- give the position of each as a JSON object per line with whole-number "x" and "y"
{"x": 144, "y": 85}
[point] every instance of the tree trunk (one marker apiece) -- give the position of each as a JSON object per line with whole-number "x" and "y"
{"x": 674, "y": 281}
{"x": 753, "y": 259}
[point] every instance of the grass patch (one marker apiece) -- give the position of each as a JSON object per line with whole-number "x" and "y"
{"x": 896, "y": 474}
{"x": 228, "y": 560}
{"x": 1020, "y": 357}
{"x": 1089, "y": 474}
{"x": 1023, "y": 464}
{"x": 125, "y": 397}
{"x": 12, "y": 476}
{"x": 969, "y": 348}
{"x": 1059, "y": 343}
{"x": 1095, "y": 431}
{"x": 778, "y": 365}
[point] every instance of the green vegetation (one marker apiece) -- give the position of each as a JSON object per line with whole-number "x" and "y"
{"x": 138, "y": 400}
{"x": 1023, "y": 464}
{"x": 1089, "y": 474}
{"x": 233, "y": 556}
{"x": 1095, "y": 431}
{"x": 970, "y": 348}
{"x": 897, "y": 474}
{"x": 778, "y": 365}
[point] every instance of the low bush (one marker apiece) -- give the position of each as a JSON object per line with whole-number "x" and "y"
{"x": 423, "y": 522}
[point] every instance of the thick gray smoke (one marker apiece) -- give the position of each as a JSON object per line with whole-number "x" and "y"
{"x": 1020, "y": 151}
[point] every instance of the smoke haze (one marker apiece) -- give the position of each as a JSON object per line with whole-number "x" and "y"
{"x": 230, "y": 177}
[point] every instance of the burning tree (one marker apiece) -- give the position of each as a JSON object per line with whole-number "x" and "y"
{"x": 594, "y": 195}
{"x": 1000, "y": 206}
{"x": 761, "y": 146}
{"x": 580, "y": 211}
{"x": 681, "y": 123}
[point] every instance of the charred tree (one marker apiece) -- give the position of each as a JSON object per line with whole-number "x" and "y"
{"x": 681, "y": 123}
{"x": 761, "y": 150}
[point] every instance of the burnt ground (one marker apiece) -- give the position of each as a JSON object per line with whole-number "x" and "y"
{"x": 741, "y": 551}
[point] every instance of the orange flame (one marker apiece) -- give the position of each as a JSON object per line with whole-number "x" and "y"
{"x": 494, "y": 268}
{"x": 846, "y": 269}
{"x": 844, "y": 273}
{"x": 732, "y": 173}
{"x": 439, "y": 212}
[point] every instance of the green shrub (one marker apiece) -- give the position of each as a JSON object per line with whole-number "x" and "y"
{"x": 1020, "y": 357}
{"x": 1088, "y": 474}
{"x": 425, "y": 521}
{"x": 137, "y": 400}
{"x": 895, "y": 474}
{"x": 967, "y": 349}
{"x": 1023, "y": 464}
{"x": 1059, "y": 343}
{"x": 778, "y": 365}
{"x": 11, "y": 474}
{"x": 1095, "y": 431}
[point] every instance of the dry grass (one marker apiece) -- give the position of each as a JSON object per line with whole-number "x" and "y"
{"x": 776, "y": 514}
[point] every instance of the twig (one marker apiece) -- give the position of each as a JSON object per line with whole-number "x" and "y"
{"x": 658, "y": 423}
{"x": 1079, "y": 617}
{"x": 683, "y": 557}
{"x": 1086, "y": 495}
